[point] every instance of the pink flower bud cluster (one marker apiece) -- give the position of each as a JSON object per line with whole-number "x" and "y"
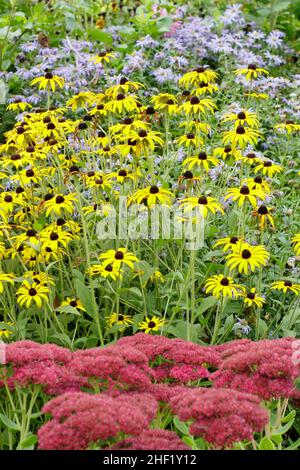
{"x": 264, "y": 368}
{"x": 81, "y": 419}
{"x": 175, "y": 359}
{"x": 42, "y": 364}
{"x": 132, "y": 376}
{"x": 114, "y": 366}
{"x": 221, "y": 416}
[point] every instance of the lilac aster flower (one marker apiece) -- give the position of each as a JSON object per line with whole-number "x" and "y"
{"x": 233, "y": 15}
{"x": 274, "y": 39}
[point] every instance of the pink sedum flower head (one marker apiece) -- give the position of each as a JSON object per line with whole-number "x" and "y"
{"x": 81, "y": 420}
{"x": 222, "y": 417}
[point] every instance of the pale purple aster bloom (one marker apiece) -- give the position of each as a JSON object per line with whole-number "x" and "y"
{"x": 256, "y": 35}
{"x": 147, "y": 42}
{"x": 29, "y": 46}
{"x": 16, "y": 98}
{"x": 242, "y": 326}
{"x": 179, "y": 61}
{"x": 273, "y": 59}
{"x": 233, "y": 15}
{"x": 274, "y": 39}
{"x": 160, "y": 56}
{"x": 246, "y": 57}
{"x": 135, "y": 62}
{"x": 165, "y": 75}
{"x": 218, "y": 45}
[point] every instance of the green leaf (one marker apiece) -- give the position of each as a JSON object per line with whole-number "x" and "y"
{"x": 182, "y": 427}
{"x": 281, "y": 6}
{"x": 67, "y": 309}
{"x": 297, "y": 383}
{"x": 98, "y": 35}
{"x": 294, "y": 445}
{"x": 286, "y": 427}
{"x": 84, "y": 294}
{"x": 189, "y": 441}
{"x": 266, "y": 444}
{"x": 206, "y": 303}
{"x": 277, "y": 438}
{"x": 200, "y": 443}
{"x": 164, "y": 24}
{"x": 28, "y": 443}
{"x": 9, "y": 423}
{"x": 289, "y": 417}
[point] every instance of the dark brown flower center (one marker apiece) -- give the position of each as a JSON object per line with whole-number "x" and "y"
{"x": 262, "y": 210}
{"x": 54, "y": 236}
{"x": 224, "y": 281}
{"x": 143, "y": 133}
{"x": 202, "y": 200}
{"x": 251, "y": 295}
{"x": 244, "y": 190}
{"x": 188, "y": 175}
{"x": 234, "y": 240}
{"x": 59, "y": 199}
{"x": 73, "y": 169}
{"x": 31, "y": 233}
{"x": 154, "y": 190}
{"x": 150, "y": 110}
{"x": 8, "y": 198}
{"x": 252, "y": 67}
{"x": 119, "y": 255}
{"x": 109, "y": 268}
{"x": 246, "y": 254}
{"x": 251, "y": 155}
{"x": 202, "y": 156}
{"x": 32, "y": 292}
{"x": 120, "y": 97}
{"x": 127, "y": 121}
{"x": 151, "y": 324}
{"x": 29, "y": 173}
{"x": 288, "y": 283}
{"x": 227, "y": 149}
{"x": 190, "y": 136}
{"x": 73, "y": 303}
{"x": 240, "y": 130}
{"x": 241, "y": 115}
{"x": 122, "y": 173}
{"x": 194, "y": 100}
{"x": 267, "y": 164}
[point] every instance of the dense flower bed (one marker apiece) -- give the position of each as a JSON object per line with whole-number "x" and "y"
{"x": 223, "y": 392}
